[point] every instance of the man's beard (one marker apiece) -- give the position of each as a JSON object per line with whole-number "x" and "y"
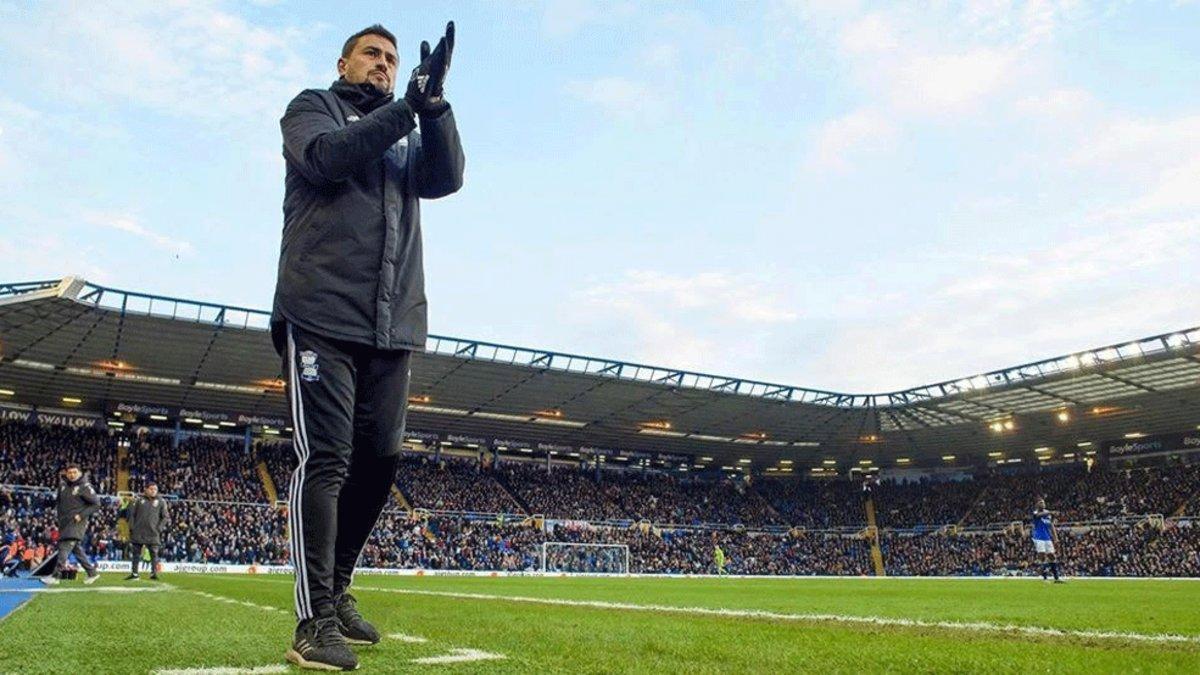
{"x": 382, "y": 88}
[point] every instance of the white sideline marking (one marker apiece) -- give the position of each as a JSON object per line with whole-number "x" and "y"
{"x": 458, "y": 655}
{"x": 97, "y": 589}
{"x": 222, "y": 671}
{"x": 978, "y": 626}
{"x": 411, "y": 639}
{"x": 233, "y": 601}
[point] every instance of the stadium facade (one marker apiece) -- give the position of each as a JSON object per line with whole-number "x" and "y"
{"x": 86, "y": 352}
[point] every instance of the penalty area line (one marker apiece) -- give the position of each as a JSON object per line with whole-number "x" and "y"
{"x": 970, "y": 626}
{"x": 410, "y": 639}
{"x": 458, "y": 655}
{"x": 235, "y": 601}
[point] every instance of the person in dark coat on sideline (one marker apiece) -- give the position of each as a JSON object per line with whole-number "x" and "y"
{"x": 148, "y": 516}
{"x": 77, "y": 501}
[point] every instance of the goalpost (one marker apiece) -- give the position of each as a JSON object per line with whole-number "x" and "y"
{"x": 568, "y": 557}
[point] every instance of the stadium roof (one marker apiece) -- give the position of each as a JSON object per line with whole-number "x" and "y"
{"x": 99, "y": 346}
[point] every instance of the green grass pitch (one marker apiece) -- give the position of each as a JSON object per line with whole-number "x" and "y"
{"x": 604, "y": 625}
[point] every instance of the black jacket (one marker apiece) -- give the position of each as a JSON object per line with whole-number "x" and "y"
{"x": 350, "y": 265}
{"x": 147, "y": 520}
{"x": 75, "y": 499}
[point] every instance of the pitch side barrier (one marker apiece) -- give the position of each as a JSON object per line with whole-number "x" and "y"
{"x": 473, "y": 516}
{"x": 284, "y": 570}
{"x": 114, "y": 498}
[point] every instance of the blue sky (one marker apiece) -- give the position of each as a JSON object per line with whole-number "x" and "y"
{"x": 845, "y": 195}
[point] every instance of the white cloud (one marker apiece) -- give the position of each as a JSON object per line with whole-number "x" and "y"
{"x": 47, "y": 256}
{"x": 941, "y": 62}
{"x": 188, "y": 58}
{"x": 686, "y": 321}
{"x": 1122, "y": 142}
{"x": 562, "y": 18}
{"x": 1152, "y": 164}
{"x": 129, "y": 224}
{"x": 840, "y": 140}
{"x": 1098, "y": 288}
{"x": 618, "y": 96}
{"x": 1058, "y": 105}
{"x": 869, "y": 34}
{"x": 950, "y": 83}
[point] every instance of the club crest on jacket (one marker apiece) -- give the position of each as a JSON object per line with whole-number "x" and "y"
{"x": 309, "y": 369}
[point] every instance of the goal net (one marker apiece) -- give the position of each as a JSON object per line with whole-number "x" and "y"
{"x": 576, "y": 558}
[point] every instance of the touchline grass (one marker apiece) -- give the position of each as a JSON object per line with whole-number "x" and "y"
{"x": 553, "y": 624}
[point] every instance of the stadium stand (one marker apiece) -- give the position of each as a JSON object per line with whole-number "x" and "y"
{"x": 201, "y": 467}
{"x": 452, "y": 484}
{"x": 218, "y": 513}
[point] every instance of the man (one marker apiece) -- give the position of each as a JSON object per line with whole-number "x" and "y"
{"x": 1045, "y": 540}
{"x": 77, "y": 501}
{"x": 148, "y": 517}
{"x": 350, "y": 310}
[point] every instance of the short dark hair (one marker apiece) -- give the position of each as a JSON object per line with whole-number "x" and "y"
{"x": 374, "y": 29}
{"x": 71, "y": 465}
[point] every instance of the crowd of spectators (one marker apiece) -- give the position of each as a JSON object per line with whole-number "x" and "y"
{"x": 667, "y": 499}
{"x": 225, "y": 533}
{"x": 452, "y": 484}
{"x": 34, "y": 455}
{"x": 925, "y": 503}
{"x": 30, "y": 515}
{"x": 459, "y": 544}
{"x": 560, "y": 492}
{"x": 222, "y": 517}
{"x": 201, "y": 467}
{"x": 216, "y": 532}
{"x": 1076, "y": 494}
{"x": 815, "y": 504}
{"x": 1100, "y": 551}
{"x": 198, "y": 532}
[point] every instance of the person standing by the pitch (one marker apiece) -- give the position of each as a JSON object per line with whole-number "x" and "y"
{"x": 77, "y": 501}
{"x": 148, "y": 515}
{"x": 350, "y": 310}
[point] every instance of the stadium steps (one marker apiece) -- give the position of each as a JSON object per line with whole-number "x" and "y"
{"x": 1183, "y": 508}
{"x": 402, "y": 500}
{"x": 123, "y": 487}
{"x": 513, "y": 494}
{"x": 974, "y": 505}
{"x": 268, "y": 483}
{"x": 767, "y": 502}
{"x": 873, "y": 527}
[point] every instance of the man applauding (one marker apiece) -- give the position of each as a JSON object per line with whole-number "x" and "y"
{"x": 350, "y": 311}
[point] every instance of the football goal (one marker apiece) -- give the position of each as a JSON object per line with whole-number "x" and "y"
{"x": 576, "y": 558}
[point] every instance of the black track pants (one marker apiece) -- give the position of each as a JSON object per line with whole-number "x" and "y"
{"x": 68, "y": 546}
{"x": 348, "y": 404}
{"x": 137, "y": 558}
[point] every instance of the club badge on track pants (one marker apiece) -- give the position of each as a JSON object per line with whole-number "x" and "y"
{"x": 347, "y": 404}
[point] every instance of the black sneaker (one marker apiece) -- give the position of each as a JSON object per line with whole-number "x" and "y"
{"x": 319, "y": 645}
{"x": 357, "y": 630}
{"x": 133, "y": 577}
{"x": 154, "y": 577}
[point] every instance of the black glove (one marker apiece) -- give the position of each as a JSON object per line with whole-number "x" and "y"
{"x": 424, "y": 93}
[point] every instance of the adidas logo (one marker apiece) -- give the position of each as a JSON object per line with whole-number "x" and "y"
{"x": 303, "y": 647}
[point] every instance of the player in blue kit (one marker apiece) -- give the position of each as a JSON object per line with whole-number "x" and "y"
{"x": 1045, "y": 540}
